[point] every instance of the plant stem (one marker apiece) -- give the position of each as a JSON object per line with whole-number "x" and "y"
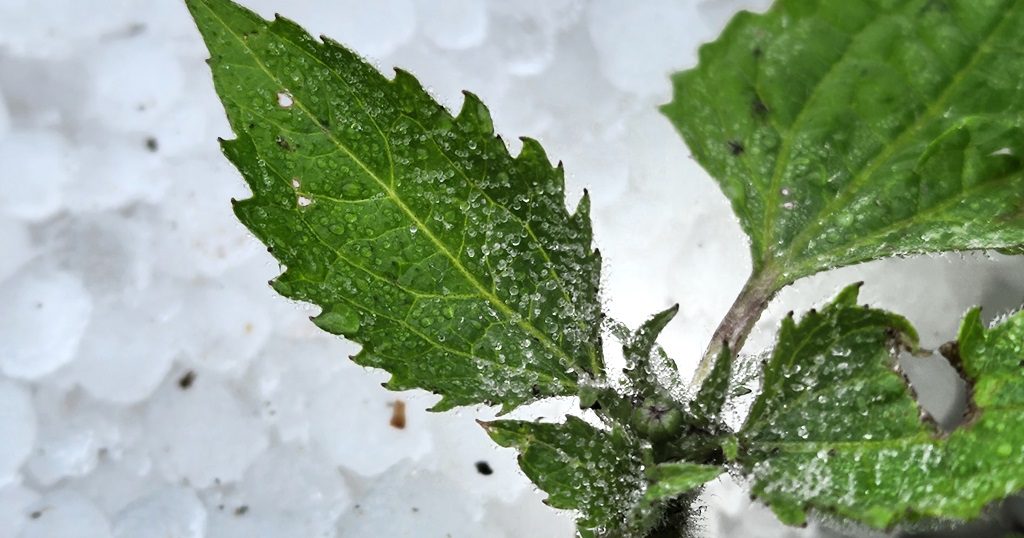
{"x": 734, "y": 328}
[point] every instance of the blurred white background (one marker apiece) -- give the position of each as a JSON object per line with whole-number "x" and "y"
{"x": 152, "y": 385}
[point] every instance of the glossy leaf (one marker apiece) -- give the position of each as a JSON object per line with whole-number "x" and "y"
{"x": 648, "y": 368}
{"x": 455, "y": 265}
{"x": 597, "y": 472}
{"x": 670, "y": 480}
{"x": 836, "y": 428}
{"x": 710, "y": 399}
{"x": 849, "y": 131}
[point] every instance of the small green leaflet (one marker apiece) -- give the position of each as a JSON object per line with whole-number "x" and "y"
{"x": 598, "y": 472}
{"x": 710, "y": 399}
{"x": 649, "y": 370}
{"x": 456, "y": 266}
{"x": 837, "y": 430}
{"x": 848, "y": 131}
{"x": 670, "y": 480}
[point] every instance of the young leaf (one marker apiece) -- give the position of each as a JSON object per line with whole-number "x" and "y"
{"x": 710, "y": 399}
{"x": 670, "y": 480}
{"x": 848, "y": 131}
{"x": 597, "y": 472}
{"x": 600, "y": 473}
{"x": 648, "y": 368}
{"x": 666, "y": 508}
{"x": 837, "y": 429}
{"x": 456, "y": 266}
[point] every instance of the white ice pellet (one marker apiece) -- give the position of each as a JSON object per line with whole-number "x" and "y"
{"x": 198, "y": 233}
{"x": 526, "y": 33}
{"x": 124, "y": 476}
{"x": 127, "y": 350}
{"x": 5, "y": 117}
{"x": 133, "y": 80}
{"x": 202, "y": 434}
{"x": 17, "y": 429}
{"x": 110, "y": 252}
{"x": 114, "y": 174}
{"x": 65, "y": 513}
{"x": 14, "y": 508}
{"x": 35, "y": 169}
{"x": 641, "y": 43}
{"x": 171, "y": 512}
{"x": 466, "y": 455}
{"x": 287, "y": 375}
{"x": 233, "y": 328}
{"x": 373, "y": 28}
{"x": 527, "y": 515}
{"x": 353, "y": 427}
{"x": 407, "y": 502}
{"x": 74, "y": 433}
{"x": 454, "y": 24}
{"x": 17, "y": 245}
{"x": 304, "y": 500}
{"x": 737, "y": 516}
{"x": 44, "y": 316}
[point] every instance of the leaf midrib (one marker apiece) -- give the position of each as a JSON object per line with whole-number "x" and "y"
{"x": 786, "y": 152}
{"x": 490, "y": 297}
{"x": 816, "y": 223}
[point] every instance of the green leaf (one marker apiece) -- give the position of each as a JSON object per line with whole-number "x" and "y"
{"x": 455, "y": 265}
{"x": 848, "y": 131}
{"x": 648, "y": 368}
{"x": 837, "y": 429}
{"x": 600, "y": 473}
{"x": 710, "y": 399}
{"x": 670, "y": 480}
{"x": 597, "y": 472}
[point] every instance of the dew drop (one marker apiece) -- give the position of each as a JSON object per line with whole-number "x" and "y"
{"x": 284, "y": 100}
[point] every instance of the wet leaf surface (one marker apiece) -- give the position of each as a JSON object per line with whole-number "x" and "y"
{"x": 455, "y": 265}
{"x": 836, "y": 428}
{"x": 848, "y": 131}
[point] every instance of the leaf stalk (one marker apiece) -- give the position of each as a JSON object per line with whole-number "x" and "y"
{"x": 734, "y": 328}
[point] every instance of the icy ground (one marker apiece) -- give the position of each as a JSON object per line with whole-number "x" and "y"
{"x": 152, "y": 385}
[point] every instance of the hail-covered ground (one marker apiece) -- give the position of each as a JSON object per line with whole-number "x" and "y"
{"x": 152, "y": 385}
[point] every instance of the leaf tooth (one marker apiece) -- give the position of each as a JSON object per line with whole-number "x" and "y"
{"x": 581, "y": 217}
{"x": 533, "y": 152}
{"x": 289, "y": 29}
{"x": 475, "y": 112}
{"x": 849, "y": 295}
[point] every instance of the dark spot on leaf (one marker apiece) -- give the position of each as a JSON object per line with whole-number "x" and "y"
{"x": 758, "y": 108}
{"x": 186, "y": 380}
{"x": 757, "y": 52}
{"x": 736, "y": 148}
{"x": 398, "y": 415}
{"x": 535, "y": 390}
{"x": 935, "y": 5}
{"x": 283, "y": 144}
{"x": 484, "y": 468}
